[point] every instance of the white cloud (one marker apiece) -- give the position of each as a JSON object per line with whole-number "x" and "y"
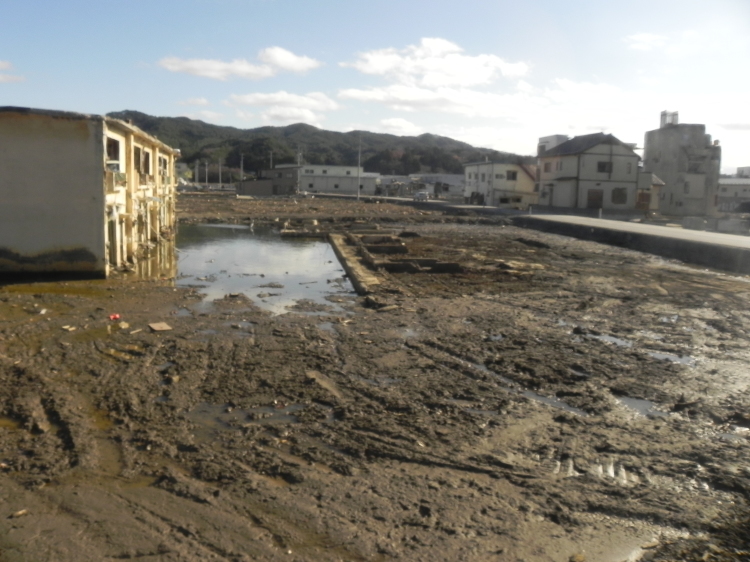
{"x": 274, "y": 59}
{"x": 206, "y": 115}
{"x": 399, "y": 126}
{"x": 645, "y": 41}
{"x": 284, "y": 115}
{"x": 282, "y": 59}
{"x": 436, "y": 62}
{"x": 195, "y": 101}
{"x": 216, "y": 69}
{"x": 284, "y": 107}
{"x": 316, "y": 101}
{"x": 244, "y": 115}
{"x": 8, "y": 78}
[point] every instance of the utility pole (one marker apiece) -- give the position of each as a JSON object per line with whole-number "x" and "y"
{"x": 271, "y": 166}
{"x": 242, "y": 167}
{"x": 219, "y": 172}
{"x": 359, "y": 162}
{"x": 196, "y": 177}
{"x": 206, "y": 173}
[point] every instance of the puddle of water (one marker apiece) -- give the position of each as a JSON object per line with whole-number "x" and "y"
{"x": 409, "y": 333}
{"x": 212, "y": 418}
{"x": 611, "y": 339}
{"x": 496, "y": 337}
{"x": 227, "y": 259}
{"x": 183, "y": 312}
{"x": 669, "y": 319}
{"x": 643, "y": 407}
{"x": 682, "y": 359}
{"x": 327, "y": 327}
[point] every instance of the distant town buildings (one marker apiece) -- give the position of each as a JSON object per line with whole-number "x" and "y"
{"x": 80, "y": 193}
{"x": 288, "y": 179}
{"x": 500, "y": 184}
{"x": 684, "y": 157}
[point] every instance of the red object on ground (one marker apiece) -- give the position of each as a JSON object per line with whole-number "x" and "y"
{"x": 114, "y": 316}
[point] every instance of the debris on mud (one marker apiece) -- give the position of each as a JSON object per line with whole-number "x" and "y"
{"x": 546, "y": 399}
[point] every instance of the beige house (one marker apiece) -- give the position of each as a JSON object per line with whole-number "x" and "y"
{"x": 500, "y": 184}
{"x": 80, "y": 193}
{"x": 596, "y": 171}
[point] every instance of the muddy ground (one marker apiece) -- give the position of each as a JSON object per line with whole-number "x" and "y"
{"x": 495, "y": 413}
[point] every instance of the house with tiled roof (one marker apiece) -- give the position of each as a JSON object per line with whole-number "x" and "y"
{"x": 596, "y": 171}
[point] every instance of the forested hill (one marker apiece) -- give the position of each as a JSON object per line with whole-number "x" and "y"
{"x": 383, "y": 153}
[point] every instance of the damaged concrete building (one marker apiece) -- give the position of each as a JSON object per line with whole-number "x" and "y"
{"x": 684, "y": 156}
{"x": 80, "y": 193}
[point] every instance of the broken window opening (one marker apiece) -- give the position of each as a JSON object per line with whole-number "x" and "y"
{"x": 511, "y": 175}
{"x": 620, "y": 195}
{"x": 604, "y": 167}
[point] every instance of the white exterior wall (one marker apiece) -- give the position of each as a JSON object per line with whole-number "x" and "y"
{"x": 491, "y": 180}
{"x": 336, "y": 179}
{"x": 51, "y": 187}
{"x": 62, "y": 208}
{"x": 574, "y": 180}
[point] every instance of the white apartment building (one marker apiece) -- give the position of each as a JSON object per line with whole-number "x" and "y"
{"x": 500, "y": 184}
{"x": 318, "y": 178}
{"x": 596, "y": 171}
{"x": 80, "y": 193}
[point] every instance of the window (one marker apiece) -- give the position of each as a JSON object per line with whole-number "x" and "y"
{"x": 336, "y": 186}
{"x": 558, "y": 165}
{"x": 113, "y": 149}
{"x": 146, "y": 162}
{"x": 137, "y": 161}
{"x": 310, "y": 185}
{"x": 309, "y": 171}
{"x": 361, "y": 187}
{"x": 482, "y": 177}
{"x": 620, "y": 195}
{"x": 348, "y": 173}
{"x": 548, "y": 166}
{"x": 604, "y": 167}
{"x": 629, "y": 167}
{"x": 511, "y": 175}
{"x": 289, "y": 175}
{"x": 279, "y": 175}
{"x": 325, "y": 171}
{"x": 687, "y": 187}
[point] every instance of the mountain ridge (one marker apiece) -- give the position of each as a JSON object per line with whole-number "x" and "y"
{"x": 381, "y": 152}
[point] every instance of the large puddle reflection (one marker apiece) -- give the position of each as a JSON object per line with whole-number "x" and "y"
{"x": 274, "y": 272}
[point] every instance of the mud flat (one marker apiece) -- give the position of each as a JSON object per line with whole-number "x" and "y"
{"x": 550, "y": 399}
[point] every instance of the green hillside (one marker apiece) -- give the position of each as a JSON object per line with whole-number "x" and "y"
{"x": 383, "y": 153}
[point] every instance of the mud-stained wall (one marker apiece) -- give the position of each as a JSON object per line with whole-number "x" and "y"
{"x": 51, "y": 192}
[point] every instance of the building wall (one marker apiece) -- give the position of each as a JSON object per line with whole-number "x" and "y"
{"x": 684, "y": 158}
{"x": 604, "y": 176}
{"x": 500, "y": 184}
{"x": 336, "y": 179}
{"x": 52, "y": 214}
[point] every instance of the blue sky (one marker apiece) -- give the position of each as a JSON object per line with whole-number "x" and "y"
{"x": 495, "y": 74}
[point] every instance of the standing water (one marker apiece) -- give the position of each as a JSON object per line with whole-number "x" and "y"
{"x": 274, "y": 272}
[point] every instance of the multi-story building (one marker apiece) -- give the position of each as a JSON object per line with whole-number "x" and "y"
{"x": 500, "y": 184}
{"x": 596, "y": 171}
{"x": 319, "y": 178}
{"x": 80, "y": 193}
{"x": 684, "y": 157}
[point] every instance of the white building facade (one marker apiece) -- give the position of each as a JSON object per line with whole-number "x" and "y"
{"x": 318, "y": 178}
{"x": 596, "y": 171}
{"x": 80, "y": 193}
{"x": 500, "y": 184}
